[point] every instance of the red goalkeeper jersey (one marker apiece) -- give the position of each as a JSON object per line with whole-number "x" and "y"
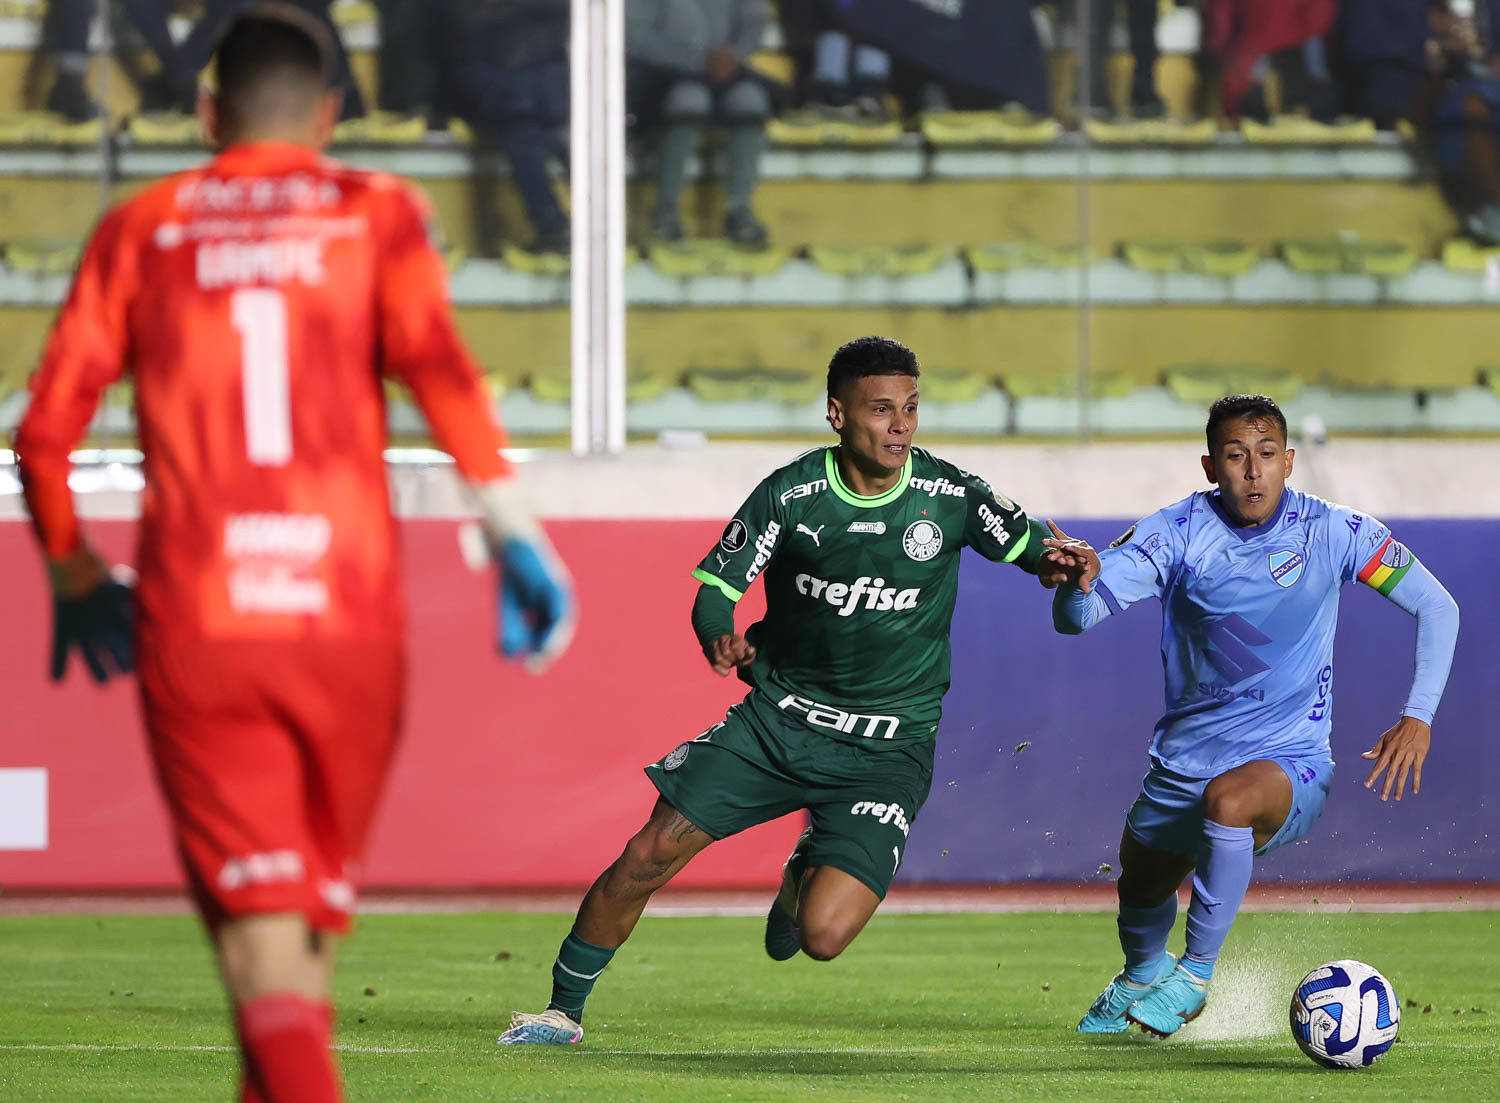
{"x": 258, "y": 303}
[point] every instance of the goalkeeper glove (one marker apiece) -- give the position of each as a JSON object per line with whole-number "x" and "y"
{"x": 92, "y": 612}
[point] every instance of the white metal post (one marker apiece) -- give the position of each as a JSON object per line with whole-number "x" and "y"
{"x": 597, "y": 184}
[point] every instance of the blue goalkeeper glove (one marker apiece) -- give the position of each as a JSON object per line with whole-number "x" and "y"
{"x": 536, "y": 603}
{"x": 92, "y": 616}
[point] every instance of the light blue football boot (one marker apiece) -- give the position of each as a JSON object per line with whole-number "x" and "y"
{"x": 1106, "y": 1015}
{"x": 1174, "y": 1001}
{"x": 551, "y": 1028}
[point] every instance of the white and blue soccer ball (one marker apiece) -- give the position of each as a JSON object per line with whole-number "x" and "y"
{"x": 1345, "y": 1014}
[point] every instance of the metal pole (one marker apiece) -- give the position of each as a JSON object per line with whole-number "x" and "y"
{"x": 1084, "y": 54}
{"x": 597, "y": 184}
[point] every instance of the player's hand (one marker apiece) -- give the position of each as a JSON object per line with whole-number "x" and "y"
{"x": 92, "y": 612}
{"x": 1067, "y": 561}
{"x": 536, "y": 603}
{"x": 730, "y": 653}
{"x": 1399, "y": 753}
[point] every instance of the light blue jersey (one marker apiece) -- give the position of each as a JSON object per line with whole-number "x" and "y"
{"x": 1248, "y": 618}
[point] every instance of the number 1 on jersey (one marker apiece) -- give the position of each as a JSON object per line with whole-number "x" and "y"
{"x": 259, "y": 316}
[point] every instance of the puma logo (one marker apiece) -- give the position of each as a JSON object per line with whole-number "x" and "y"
{"x": 814, "y": 535}
{"x": 722, "y": 561}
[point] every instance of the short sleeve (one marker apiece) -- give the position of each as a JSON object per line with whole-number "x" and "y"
{"x": 747, "y": 545}
{"x": 1356, "y": 541}
{"x": 994, "y": 526}
{"x": 1139, "y": 563}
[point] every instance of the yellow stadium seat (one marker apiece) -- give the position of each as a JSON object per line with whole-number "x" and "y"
{"x": 1299, "y": 131}
{"x": 383, "y": 128}
{"x": 953, "y": 386}
{"x": 1213, "y": 258}
{"x": 1463, "y": 255}
{"x": 743, "y": 384}
{"x": 348, "y": 13}
{"x": 988, "y": 128}
{"x": 1064, "y": 384}
{"x": 537, "y": 264}
{"x": 165, "y": 128}
{"x": 1009, "y": 255}
{"x": 43, "y": 256}
{"x": 1170, "y": 132}
{"x": 874, "y": 260}
{"x": 715, "y": 257}
{"x": 44, "y": 128}
{"x": 1202, "y": 384}
{"x": 1321, "y": 256}
{"x": 806, "y": 129}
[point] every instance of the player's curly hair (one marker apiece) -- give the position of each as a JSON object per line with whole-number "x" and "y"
{"x": 1233, "y": 406}
{"x": 869, "y": 356}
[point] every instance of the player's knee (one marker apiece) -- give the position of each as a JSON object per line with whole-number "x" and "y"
{"x": 746, "y": 101}
{"x": 826, "y": 941}
{"x": 687, "y": 101}
{"x": 1229, "y": 804}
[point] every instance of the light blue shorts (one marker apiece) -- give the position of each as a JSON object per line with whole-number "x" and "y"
{"x": 1168, "y": 815}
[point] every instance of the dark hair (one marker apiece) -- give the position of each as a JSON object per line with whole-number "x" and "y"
{"x": 869, "y": 356}
{"x": 273, "y": 62}
{"x": 1233, "y": 406}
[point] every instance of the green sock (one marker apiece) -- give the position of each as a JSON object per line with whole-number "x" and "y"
{"x": 577, "y": 967}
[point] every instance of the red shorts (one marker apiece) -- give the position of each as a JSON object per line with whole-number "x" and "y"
{"x": 272, "y": 756}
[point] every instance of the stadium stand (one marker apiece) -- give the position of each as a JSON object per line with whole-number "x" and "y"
{"x": 1137, "y": 261}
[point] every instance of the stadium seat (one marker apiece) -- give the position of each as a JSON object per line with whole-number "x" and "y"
{"x": 1212, "y": 258}
{"x": 1202, "y": 384}
{"x": 1297, "y": 130}
{"x": 1164, "y": 132}
{"x": 989, "y": 128}
{"x": 876, "y": 260}
{"x": 1465, "y": 255}
{"x": 1330, "y": 255}
{"x": 805, "y": 129}
{"x": 1057, "y": 383}
{"x": 166, "y": 128}
{"x": 715, "y": 257}
{"x": 43, "y": 256}
{"x": 744, "y": 384}
{"x": 381, "y": 128}
{"x": 1010, "y": 255}
{"x": 43, "y": 128}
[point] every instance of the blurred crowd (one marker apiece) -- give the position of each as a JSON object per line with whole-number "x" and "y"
{"x": 697, "y": 66}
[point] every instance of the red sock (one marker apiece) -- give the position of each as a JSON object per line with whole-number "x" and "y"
{"x": 285, "y": 1042}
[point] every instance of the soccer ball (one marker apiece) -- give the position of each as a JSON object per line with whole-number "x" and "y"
{"x": 1345, "y": 1014}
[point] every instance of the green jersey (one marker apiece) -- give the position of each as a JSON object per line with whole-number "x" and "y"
{"x": 860, "y": 590}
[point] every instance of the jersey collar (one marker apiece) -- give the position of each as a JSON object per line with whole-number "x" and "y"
{"x": 1250, "y": 532}
{"x": 836, "y": 484}
{"x": 267, "y": 157}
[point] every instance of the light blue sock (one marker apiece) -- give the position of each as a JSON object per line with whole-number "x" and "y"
{"x": 1218, "y": 890}
{"x": 1143, "y": 937}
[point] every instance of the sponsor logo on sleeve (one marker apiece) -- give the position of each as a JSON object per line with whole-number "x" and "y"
{"x": 1150, "y": 546}
{"x": 924, "y": 539}
{"x": 765, "y": 544}
{"x": 993, "y": 525}
{"x": 735, "y": 535}
{"x": 1286, "y": 567}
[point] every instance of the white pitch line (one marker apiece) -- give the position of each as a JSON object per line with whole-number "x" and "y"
{"x": 846, "y": 1051}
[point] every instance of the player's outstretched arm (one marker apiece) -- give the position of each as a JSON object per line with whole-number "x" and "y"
{"x": 1401, "y": 750}
{"x": 713, "y": 624}
{"x": 537, "y": 616}
{"x": 91, "y": 607}
{"x": 1067, "y": 561}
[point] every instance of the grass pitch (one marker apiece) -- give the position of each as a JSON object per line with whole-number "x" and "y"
{"x": 920, "y": 1007}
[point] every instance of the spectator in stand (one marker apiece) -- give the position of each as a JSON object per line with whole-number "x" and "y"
{"x": 1140, "y": 16}
{"x": 1248, "y": 38}
{"x": 410, "y": 52}
{"x": 1458, "y": 112}
{"x": 846, "y": 79}
{"x": 506, "y": 65}
{"x": 1380, "y": 55}
{"x": 174, "y": 87}
{"x": 686, "y": 69}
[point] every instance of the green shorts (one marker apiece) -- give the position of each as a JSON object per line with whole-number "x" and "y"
{"x": 759, "y": 765}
